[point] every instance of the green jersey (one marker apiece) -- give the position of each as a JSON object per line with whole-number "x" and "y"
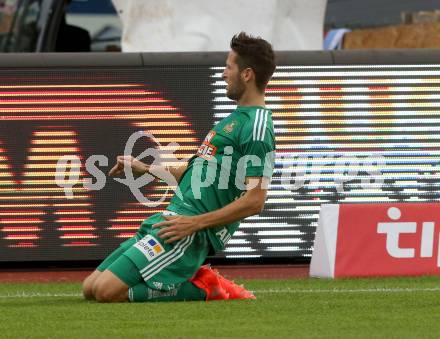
{"x": 240, "y": 145}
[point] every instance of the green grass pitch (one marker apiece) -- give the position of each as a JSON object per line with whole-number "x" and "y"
{"x": 299, "y": 308}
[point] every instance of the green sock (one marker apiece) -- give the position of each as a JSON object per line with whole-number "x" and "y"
{"x": 185, "y": 292}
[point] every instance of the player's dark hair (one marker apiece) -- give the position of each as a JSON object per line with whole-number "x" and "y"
{"x": 255, "y": 53}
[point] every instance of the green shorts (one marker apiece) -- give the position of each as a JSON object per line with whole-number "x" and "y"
{"x": 146, "y": 257}
{"x": 121, "y": 266}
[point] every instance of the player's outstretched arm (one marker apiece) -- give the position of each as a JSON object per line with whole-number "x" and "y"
{"x": 139, "y": 168}
{"x": 176, "y": 171}
{"x": 251, "y": 203}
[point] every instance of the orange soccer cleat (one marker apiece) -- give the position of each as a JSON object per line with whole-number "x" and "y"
{"x": 218, "y": 287}
{"x": 206, "y": 279}
{"x": 235, "y": 291}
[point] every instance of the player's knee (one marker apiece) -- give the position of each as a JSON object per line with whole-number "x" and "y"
{"x": 87, "y": 288}
{"x": 105, "y": 292}
{"x": 103, "y": 296}
{"x": 101, "y": 293}
{"x": 87, "y": 285}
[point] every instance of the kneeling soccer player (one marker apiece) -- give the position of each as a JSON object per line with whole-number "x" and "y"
{"x": 163, "y": 261}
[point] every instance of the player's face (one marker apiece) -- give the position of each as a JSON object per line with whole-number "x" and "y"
{"x": 232, "y": 75}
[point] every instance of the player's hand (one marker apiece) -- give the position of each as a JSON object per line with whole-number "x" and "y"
{"x": 177, "y": 227}
{"x": 138, "y": 168}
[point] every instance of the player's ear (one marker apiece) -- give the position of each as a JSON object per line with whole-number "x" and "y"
{"x": 247, "y": 74}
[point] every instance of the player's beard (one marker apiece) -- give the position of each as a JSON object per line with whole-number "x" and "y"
{"x": 236, "y": 89}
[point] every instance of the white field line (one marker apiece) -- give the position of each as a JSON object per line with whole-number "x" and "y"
{"x": 269, "y": 291}
{"x": 39, "y": 295}
{"x": 359, "y": 290}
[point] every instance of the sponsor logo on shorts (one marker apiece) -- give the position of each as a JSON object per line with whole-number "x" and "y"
{"x": 149, "y": 247}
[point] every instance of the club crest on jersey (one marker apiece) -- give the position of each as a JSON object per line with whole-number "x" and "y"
{"x": 206, "y": 149}
{"x": 229, "y": 127}
{"x": 149, "y": 247}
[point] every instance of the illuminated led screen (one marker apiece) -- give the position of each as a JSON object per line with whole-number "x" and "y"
{"x": 343, "y": 134}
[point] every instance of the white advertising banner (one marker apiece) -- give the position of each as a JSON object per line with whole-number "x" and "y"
{"x": 324, "y": 249}
{"x": 200, "y": 25}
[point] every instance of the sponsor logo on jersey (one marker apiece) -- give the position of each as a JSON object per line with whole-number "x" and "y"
{"x": 149, "y": 247}
{"x": 206, "y": 149}
{"x": 223, "y": 235}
